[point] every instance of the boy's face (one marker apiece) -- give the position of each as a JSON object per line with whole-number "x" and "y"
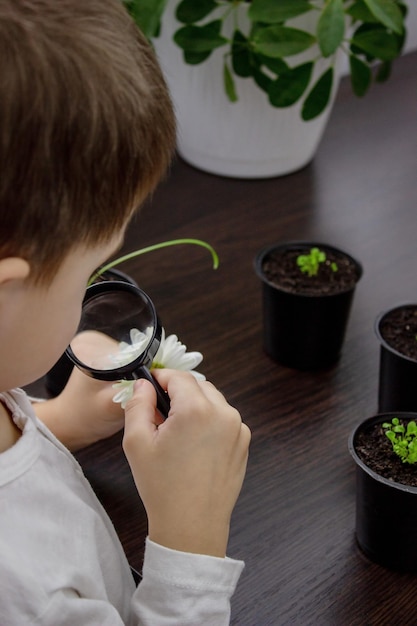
{"x": 38, "y": 322}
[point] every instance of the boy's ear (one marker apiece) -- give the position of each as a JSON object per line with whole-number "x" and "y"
{"x": 13, "y": 268}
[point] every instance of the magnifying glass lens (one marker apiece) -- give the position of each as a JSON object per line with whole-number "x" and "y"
{"x": 116, "y": 328}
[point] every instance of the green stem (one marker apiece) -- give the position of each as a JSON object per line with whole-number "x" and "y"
{"x": 157, "y": 246}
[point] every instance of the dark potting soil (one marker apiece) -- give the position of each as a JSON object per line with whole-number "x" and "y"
{"x": 375, "y": 449}
{"x": 399, "y": 329}
{"x": 280, "y": 268}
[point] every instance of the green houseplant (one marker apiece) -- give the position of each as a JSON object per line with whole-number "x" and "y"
{"x": 261, "y": 49}
{"x": 242, "y": 74}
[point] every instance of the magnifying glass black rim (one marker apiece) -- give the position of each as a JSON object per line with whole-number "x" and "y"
{"x": 144, "y": 359}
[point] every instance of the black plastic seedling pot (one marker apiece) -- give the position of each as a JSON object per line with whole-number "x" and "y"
{"x": 300, "y": 331}
{"x": 397, "y": 388}
{"x": 386, "y": 511}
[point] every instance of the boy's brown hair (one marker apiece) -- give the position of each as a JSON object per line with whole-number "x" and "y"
{"x": 86, "y": 126}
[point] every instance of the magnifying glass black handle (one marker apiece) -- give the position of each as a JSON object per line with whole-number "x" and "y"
{"x": 162, "y": 399}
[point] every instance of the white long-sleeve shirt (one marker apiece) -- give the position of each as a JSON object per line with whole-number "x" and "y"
{"x": 61, "y": 562}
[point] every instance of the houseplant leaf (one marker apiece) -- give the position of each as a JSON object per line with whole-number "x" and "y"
{"x": 147, "y": 14}
{"x": 275, "y": 65}
{"x": 261, "y": 79}
{"x": 241, "y": 58}
{"x": 319, "y": 96}
{"x": 205, "y": 38}
{"x": 331, "y": 27}
{"x": 364, "y": 28}
{"x": 194, "y": 58}
{"x": 378, "y": 43}
{"x": 279, "y": 41}
{"x": 360, "y": 12}
{"x": 360, "y": 75}
{"x": 290, "y": 85}
{"x": 388, "y": 13}
{"x": 189, "y": 11}
{"x": 272, "y": 12}
{"x": 229, "y": 84}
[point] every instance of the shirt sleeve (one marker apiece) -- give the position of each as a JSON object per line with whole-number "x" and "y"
{"x": 187, "y": 589}
{"x": 177, "y": 588}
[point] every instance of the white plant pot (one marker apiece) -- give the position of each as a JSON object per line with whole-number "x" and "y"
{"x": 246, "y": 139}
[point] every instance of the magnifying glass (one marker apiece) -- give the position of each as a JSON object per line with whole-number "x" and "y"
{"x": 118, "y": 336}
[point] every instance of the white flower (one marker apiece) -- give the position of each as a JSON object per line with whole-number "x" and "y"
{"x": 128, "y": 352}
{"x": 171, "y": 354}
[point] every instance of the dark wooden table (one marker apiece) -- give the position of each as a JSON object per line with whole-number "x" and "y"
{"x": 294, "y": 521}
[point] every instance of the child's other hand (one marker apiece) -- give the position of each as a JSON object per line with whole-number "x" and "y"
{"x": 189, "y": 469}
{"x": 84, "y": 412}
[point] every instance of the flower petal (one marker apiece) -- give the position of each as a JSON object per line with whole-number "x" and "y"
{"x": 198, "y": 375}
{"x": 125, "y": 391}
{"x": 173, "y": 354}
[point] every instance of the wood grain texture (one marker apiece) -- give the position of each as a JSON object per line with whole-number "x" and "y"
{"x": 294, "y": 521}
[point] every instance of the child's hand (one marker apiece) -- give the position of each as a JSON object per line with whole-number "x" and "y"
{"x": 84, "y": 412}
{"x": 189, "y": 469}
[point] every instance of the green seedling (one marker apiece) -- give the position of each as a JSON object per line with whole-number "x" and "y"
{"x": 403, "y": 439}
{"x": 310, "y": 263}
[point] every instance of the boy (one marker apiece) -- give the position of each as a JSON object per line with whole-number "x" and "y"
{"x": 86, "y": 131}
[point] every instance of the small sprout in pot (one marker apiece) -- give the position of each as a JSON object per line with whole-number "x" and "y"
{"x": 403, "y": 439}
{"x": 310, "y": 263}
